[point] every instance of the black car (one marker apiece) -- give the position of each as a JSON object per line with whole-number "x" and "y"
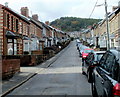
{"x": 89, "y": 63}
{"x": 106, "y": 76}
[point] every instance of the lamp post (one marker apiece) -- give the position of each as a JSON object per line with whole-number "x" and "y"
{"x": 107, "y": 26}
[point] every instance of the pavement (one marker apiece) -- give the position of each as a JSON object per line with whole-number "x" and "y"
{"x": 26, "y": 73}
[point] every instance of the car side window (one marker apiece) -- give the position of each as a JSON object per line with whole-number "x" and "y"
{"x": 110, "y": 61}
{"x": 103, "y": 59}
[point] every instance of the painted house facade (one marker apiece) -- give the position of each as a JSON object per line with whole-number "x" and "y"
{"x": 114, "y": 23}
{"x": 100, "y": 33}
{"x": 36, "y": 35}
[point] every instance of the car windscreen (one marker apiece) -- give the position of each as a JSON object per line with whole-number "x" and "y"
{"x": 88, "y": 51}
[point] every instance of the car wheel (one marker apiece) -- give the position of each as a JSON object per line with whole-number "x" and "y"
{"x": 94, "y": 92}
{"x": 106, "y": 94}
{"x": 83, "y": 71}
{"x": 89, "y": 77}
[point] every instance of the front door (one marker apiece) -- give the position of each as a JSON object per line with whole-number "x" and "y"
{"x": 11, "y": 47}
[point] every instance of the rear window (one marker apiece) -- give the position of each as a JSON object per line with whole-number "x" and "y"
{"x": 88, "y": 51}
{"x": 99, "y": 56}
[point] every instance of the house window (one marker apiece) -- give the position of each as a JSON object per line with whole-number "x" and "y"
{"x": 8, "y": 21}
{"x": 26, "y": 46}
{"x": 17, "y": 25}
{"x": 112, "y": 43}
{"x": 15, "y": 47}
{"x": 27, "y": 30}
{"x": 41, "y": 48}
{"x": 11, "y": 22}
{"x": 14, "y": 24}
{"x": 22, "y": 27}
{"x": 5, "y": 19}
{"x": 0, "y": 46}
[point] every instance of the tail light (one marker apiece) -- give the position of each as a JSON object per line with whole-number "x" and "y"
{"x": 116, "y": 90}
{"x": 84, "y": 56}
{"x": 92, "y": 65}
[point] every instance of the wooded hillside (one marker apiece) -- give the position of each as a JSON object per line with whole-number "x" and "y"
{"x": 69, "y": 24}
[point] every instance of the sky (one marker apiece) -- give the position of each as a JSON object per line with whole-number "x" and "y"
{"x": 49, "y": 10}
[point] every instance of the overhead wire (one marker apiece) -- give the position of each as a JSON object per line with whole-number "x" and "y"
{"x": 93, "y": 8}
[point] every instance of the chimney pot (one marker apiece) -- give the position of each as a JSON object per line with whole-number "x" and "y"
{"x": 25, "y": 11}
{"x": 35, "y": 17}
{"x": 47, "y": 23}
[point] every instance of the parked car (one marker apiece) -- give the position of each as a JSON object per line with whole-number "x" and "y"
{"x": 81, "y": 48}
{"x": 80, "y": 52}
{"x": 106, "y": 75}
{"x": 85, "y": 53}
{"x": 90, "y": 62}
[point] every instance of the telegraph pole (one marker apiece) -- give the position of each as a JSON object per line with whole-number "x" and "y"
{"x": 107, "y": 26}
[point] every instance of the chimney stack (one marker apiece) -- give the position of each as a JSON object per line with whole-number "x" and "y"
{"x": 35, "y": 17}
{"x": 114, "y": 8}
{"x": 119, "y": 4}
{"x": 25, "y": 11}
{"x": 47, "y": 23}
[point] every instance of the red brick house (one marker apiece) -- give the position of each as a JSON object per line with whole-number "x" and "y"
{"x": 36, "y": 36}
{"x": 12, "y": 28}
{"x": 33, "y": 43}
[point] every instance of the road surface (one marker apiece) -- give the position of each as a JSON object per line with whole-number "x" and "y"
{"x": 63, "y": 77}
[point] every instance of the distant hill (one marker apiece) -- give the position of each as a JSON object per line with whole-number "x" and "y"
{"x": 69, "y": 24}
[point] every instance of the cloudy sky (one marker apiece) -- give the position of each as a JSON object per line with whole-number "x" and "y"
{"x": 49, "y": 10}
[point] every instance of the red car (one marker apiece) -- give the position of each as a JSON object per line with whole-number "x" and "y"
{"x": 86, "y": 52}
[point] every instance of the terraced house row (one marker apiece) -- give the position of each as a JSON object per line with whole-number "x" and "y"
{"x": 25, "y": 40}
{"x": 97, "y": 34}
{"x": 114, "y": 30}
{"x": 20, "y": 33}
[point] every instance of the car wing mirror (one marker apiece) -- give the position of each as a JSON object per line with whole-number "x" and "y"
{"x": 117, "y": 60}
{"x": 95, "y": 63}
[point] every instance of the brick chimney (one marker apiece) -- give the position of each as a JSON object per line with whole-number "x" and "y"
{"x": 35, "y": 16}
{"x": 119, "y": 4}
{"x": 47, "y": 23}
{"x": 25, "y": 11}
{"x": 114, "y": 8}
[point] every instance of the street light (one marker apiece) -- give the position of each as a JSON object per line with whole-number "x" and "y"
{"x": 107, "y": 25}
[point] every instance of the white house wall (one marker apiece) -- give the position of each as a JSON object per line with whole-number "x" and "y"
{"x": 102, "y": 42}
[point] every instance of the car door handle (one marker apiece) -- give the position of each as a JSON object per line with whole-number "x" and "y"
{"x": 102, "y": 82}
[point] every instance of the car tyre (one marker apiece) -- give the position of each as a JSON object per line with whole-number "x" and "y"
{"x": 89, "y": 77}
{"x": 94, "y": 92}
{"x": 83, "y": 71}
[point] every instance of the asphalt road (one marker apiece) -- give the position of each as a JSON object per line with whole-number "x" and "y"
{"x": 63, "y": 77}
